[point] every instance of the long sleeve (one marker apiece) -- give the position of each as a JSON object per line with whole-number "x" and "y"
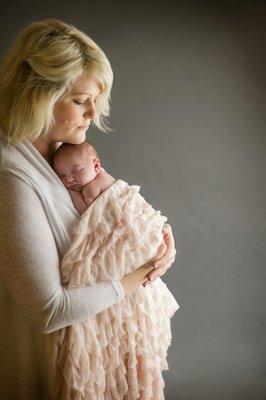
{"x": 30, "y": 266}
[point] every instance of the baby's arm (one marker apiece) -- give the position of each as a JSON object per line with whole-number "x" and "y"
{"x": 91, "y": 191}
{"x": 95, "y": 187}
{"x": 78, "y": 201}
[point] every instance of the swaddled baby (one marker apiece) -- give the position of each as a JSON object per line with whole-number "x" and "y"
{"x": 118, "y": 353}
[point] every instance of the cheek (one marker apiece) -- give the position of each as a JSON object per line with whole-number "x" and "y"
{"x": 86, "y": 175}
{"x": 66, "y": 112}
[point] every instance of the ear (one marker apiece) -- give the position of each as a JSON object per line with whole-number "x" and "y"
{"x": 97, "y": 165}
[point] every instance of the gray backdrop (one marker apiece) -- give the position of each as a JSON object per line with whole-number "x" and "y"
{"x": 188, "y": 107}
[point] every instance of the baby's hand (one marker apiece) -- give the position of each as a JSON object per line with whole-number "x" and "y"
{"x": 78, "y": 201}
{"x": 91, "y": 191}
{"x": 88, "y": 195}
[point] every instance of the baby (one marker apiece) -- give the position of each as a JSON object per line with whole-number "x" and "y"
{"x": 119, "y": 353}
{"x": 79, "y": 168}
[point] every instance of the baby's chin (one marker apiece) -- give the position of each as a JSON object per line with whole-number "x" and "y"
{"x": 76, "y": 188}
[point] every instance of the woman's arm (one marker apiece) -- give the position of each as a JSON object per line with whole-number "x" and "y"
{"x": 30, "y": 266}
{"x": 133, "y": 280}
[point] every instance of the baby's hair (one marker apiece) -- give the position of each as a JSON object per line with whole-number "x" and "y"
{"x": 86, "y": 147}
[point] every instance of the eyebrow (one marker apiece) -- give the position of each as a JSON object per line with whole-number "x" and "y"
{"x": 78, "y": 93}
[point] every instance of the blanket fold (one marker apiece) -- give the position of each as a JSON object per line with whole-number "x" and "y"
{"x": 121, "y": 352}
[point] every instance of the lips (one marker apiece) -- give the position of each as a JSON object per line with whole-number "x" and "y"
{"x": 73, "y": 184}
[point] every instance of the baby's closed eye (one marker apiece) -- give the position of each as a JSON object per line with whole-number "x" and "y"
{"x": 75, "y": 171}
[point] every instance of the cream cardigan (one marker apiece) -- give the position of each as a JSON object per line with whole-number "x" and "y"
{"x": 36, "y": 217}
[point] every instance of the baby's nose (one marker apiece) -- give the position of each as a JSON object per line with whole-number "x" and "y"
{"x": 70, "y": 179}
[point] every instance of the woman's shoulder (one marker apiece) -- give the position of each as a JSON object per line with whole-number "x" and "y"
{"x": 17, "y": 162}
{"x": 10, "y": 157}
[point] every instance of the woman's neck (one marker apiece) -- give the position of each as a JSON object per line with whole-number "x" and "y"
{"x": 46, "y": 149}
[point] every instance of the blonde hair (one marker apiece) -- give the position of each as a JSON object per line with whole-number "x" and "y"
{"x": 41, "y": 67}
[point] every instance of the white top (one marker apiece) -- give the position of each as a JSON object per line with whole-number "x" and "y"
{"x": 37, "y": 216}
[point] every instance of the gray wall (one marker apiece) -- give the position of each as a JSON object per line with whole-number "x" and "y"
{"x": 188, "y": 106}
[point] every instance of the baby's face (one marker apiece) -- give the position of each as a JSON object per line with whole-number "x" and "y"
{"x": 75, "y": 169}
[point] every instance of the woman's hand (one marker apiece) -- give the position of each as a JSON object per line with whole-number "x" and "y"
{"x": 133, "y": 280}
{"x": 165, "y": 262}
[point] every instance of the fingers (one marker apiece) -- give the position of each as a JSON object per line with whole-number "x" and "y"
{"x": 156, "y": 273}
{"x": 167, "y": 228}
{"x": 164, "y": 258}
{"x": 165, "y": 262}
{"x": 159, "y": 271}
{"x": 168, "y": 257}
{"x": 146, "y": 282}
{"x": 160, "y": 252}
{"x": 148, "y": 268}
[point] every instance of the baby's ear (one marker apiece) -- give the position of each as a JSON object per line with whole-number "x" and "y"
{"x": 97, "y": 164}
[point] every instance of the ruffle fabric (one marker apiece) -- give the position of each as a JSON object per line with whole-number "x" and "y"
{"x": 120, "y": 353}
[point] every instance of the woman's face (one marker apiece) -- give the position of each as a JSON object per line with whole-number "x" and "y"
{"x": 74, "y": 113}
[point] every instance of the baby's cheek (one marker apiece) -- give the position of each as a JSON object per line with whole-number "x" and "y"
{"x": 63, "y": 180}
{"x": 83, "y": 179}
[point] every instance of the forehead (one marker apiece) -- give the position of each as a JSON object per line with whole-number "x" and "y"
{"x": 70, "y": 157}
{"x": 86, "y": 85}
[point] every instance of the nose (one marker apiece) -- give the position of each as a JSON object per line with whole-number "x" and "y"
{"x": 91, "y": 112}
{"x": 70, "y": 179}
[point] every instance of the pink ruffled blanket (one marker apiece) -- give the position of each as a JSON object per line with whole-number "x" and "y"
{"x": 119, "y": 353}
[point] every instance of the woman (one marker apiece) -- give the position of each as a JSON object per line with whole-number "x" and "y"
{"x": 54, "y": 82}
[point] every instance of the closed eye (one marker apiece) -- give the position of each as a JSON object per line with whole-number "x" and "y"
{"x": 80, "y": 103}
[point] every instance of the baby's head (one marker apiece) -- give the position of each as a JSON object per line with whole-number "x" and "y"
{"x": 76, "y": 164}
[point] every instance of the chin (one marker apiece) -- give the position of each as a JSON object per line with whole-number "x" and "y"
{"x": 77, "y": 140}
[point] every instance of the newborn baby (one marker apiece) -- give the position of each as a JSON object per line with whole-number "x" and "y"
{"x": 79, "y": 168}
{"x": 119, "y": 353}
